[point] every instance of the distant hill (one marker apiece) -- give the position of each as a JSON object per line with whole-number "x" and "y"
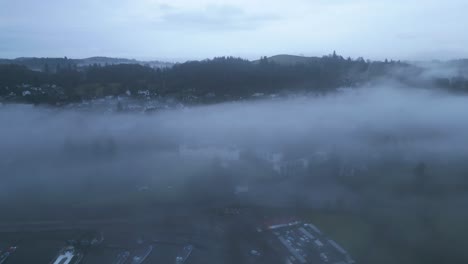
{"x": 104, "y": 60}
{"x": 112, "y": 61}
{"x": 285, "y": 59}
{"x": 53, "y": 64}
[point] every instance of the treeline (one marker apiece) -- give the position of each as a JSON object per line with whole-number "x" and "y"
{"x": 53, "y": 65}
{"x": 43, "y": 64}
{"x": 218, "y": 79}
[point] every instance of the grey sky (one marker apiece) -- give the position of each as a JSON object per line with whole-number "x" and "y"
{"x": 184, "y": 29}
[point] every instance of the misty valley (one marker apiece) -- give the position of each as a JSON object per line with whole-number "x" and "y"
{"x": 380, "y": 169}
{"x": 233, "y": 132}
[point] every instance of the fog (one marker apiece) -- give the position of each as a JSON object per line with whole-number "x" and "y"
{"x": 345, "y": 119}
{"x": 388, "y": 156}
{"x": 46, "y": 146}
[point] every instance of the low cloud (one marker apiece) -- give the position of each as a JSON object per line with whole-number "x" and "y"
{"x": 412, "y": 124}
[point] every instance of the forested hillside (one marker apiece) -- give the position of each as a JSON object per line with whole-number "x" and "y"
{"x": 218, "y": 79}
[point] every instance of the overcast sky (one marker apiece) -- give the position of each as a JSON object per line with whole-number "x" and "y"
{"x": 189, "y": 29}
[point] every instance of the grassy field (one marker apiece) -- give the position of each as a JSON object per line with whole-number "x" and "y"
{"x": 352, "y": 232}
